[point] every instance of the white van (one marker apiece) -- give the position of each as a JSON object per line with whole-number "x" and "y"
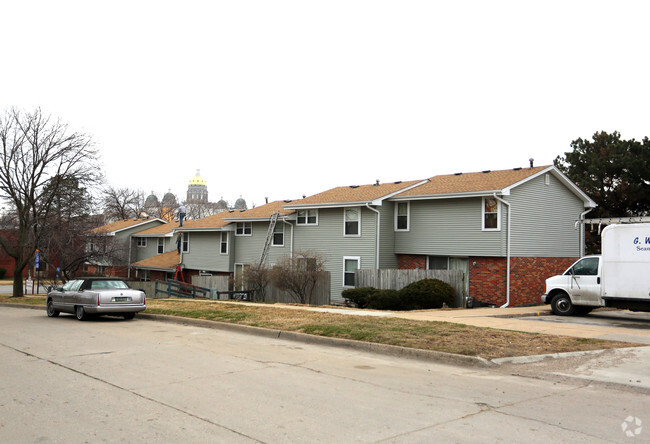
{"x": 619, "y": 278}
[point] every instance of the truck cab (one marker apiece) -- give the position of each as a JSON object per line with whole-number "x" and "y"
{"x": 577, "y": 290}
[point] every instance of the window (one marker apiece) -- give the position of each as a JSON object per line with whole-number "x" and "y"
{"x": 161, "y": 245}
{"x": 141, "y": 241}
{"x": 307, "y": 217}
{"x": 586, "y": 267}
{"x": 402, "y": 216}
{"x": 145, "y": 275}
{"x": 352, "y": 219}
{"x": 244, "y": 229}
{"x": 438, "y": 263}
{"x": 491, "y": 213}
{"x": 223, "y": 248}
{"x": 350, "y": 265}
{"x": 278, "y": 235}
{"x": 185, "y": 247}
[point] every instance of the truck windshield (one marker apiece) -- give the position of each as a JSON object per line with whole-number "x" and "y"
{"x": 585, "y": 267}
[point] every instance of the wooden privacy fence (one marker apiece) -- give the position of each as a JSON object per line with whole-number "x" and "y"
{"x": 218, "y": 283}
{"x": 320, "y": 296}
{"x": 398, "y": 279}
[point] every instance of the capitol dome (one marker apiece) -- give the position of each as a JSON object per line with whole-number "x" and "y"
{"x": 197, "y": 190}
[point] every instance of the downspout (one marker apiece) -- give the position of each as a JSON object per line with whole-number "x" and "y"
{"x": 507, "y": 252}
{"x": 291, "y": 225}
{"x": 582, "y": 232}
{"x": 377, "y": 234}
{"x": 128, "y": 272}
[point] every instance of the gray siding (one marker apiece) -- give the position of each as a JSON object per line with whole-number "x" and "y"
{"x": 387, "y": 257}
{"x": 204, "y": 252}
{"x": 248, "y": 249}
{"x": 543, "y": 219}
{"x": 140, "y": 253}
{"x": 450, "y": 227}
{"x": 327, "y": 239}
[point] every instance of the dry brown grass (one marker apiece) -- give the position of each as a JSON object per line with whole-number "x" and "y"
{"x": 440, "y": 336}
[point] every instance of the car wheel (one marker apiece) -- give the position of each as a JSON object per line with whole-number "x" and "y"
{"x": 128, "y": 315}
{"x": 51, "y": 311}
{"x": 561, "y": 305}
{"x": 80, "y": 313}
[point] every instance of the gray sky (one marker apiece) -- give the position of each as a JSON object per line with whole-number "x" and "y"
{"x": 285, "y": 98}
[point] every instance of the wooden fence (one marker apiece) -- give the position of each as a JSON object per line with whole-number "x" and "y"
{"x": 320, "y": 296}
{"x": 398, "y": 279}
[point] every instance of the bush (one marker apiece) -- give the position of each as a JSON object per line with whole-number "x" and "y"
{"x": 427, "y": 293}
{"x": 3, "y": 271}
{"x": 385, "y": 300}
{"x": 358, "y": 296}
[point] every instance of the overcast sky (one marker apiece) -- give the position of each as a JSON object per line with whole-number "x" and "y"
{"x": 283, "y": 98}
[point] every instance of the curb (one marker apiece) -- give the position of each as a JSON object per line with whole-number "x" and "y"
{"x": 384, "y": 349}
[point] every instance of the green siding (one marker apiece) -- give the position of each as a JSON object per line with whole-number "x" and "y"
{"x": 204, "y": 253}
{"x": 327, "y": 240}
{"x": 450, "y": 227}
{"x": 543, "y": 219}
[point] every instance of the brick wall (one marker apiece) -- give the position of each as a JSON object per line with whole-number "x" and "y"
{"x": 487, "y": 276}
{"x": 411, "y": 261}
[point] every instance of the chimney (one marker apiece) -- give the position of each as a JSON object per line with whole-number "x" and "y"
{"x": 531, "y": 160}
{"x": 266, "y": 199}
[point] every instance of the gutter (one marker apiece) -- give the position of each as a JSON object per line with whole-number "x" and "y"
{"x": 376, "y": 234}
{"x": 507, "y": 252}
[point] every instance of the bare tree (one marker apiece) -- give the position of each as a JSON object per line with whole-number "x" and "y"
{"x": 298, "y": 275}
{"x": 39, "y": 155}
{"x": 258, "y": 278}
{"x": 122, "y": 203}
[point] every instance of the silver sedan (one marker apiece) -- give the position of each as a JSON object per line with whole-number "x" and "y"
{"x": 96, "y": 296}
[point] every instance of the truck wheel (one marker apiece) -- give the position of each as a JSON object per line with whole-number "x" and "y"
{"x": 561, "y": 305}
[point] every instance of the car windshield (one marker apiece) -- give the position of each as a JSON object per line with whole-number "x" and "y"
{"x": 97, "y": 285}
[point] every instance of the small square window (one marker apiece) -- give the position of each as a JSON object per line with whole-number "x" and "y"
{"x": 244, "y": 229}
{"x": 141, "y": 241}
{"x": 307, "y": 217}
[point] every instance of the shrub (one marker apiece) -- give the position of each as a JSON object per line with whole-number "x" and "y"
{"x": 385, "y": 300}
{"x": 427, "y": 293}
{"x": 358, "y": 296}
{"x": 3, "y": 271}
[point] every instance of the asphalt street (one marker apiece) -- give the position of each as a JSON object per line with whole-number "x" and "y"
{"x": 115, "y": 380}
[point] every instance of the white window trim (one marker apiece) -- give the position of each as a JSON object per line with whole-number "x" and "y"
{"x": 408, "y": 216}
{"x": 273, "y": 244}
{"x": 141, "y": 242}
{"x": 221, "y": 242}
{"x": 350, "y": 258}
{"x": 498, "y": 228}
{"x": 306, "y": 223}
{"x": 358, "y": 221}
{"x": 243, "y": 224}
{"x": 183, "y": 250}
{"x": 161, "y": 242}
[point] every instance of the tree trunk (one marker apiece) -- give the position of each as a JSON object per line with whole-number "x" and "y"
{"x": 18, "y": 282}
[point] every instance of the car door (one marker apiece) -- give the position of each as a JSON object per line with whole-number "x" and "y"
{"x": 585, "y": 281}
{"x": 71, "y": 292}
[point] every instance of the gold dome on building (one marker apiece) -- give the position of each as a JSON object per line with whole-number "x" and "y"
{"x": 197, "y": 179}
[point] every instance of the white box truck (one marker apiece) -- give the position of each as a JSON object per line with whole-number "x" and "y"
{"x": 618, "y": 278}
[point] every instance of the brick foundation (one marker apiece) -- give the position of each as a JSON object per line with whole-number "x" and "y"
{"x": 411, "y": 261}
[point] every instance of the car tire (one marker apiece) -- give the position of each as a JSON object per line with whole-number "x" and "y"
{"x": 128, "y": 315}
{"x": 561, "y": 305}
{"x": 582, "y": 311}
{"x": 51, "y": 311}
{"x": 80, "y": 313}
